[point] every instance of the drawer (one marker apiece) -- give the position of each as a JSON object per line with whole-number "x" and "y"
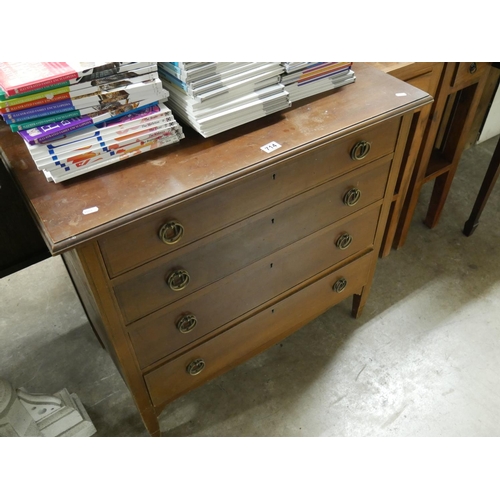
{"x": 467, "y": 73}
{"x": 168, "y": 330}
{"x": 423, "y": 82}
{"x": 252, "y": 336}
{"x": 139, "y": 242}
{"x": 146, "y": 289}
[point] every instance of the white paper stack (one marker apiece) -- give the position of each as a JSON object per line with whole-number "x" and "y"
{"x": 213, "y": 97}
{"x": 107, "y": 143}
{"x": 304, "y": 79}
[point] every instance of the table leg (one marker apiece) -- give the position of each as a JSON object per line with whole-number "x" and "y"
{"x": 484, "y": 192}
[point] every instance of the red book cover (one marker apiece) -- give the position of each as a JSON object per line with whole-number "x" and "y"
{"x": 20, "y": 77}
{"x": 16, "y": 77}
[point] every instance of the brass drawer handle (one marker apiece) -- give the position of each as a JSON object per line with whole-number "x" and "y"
{"x": 472, "y": 68}
{"x": 171, "y": 232}
{"x": 360, "y": 150}
{"x": 352, "y": 197}
{"x": 195, "y": 367}
{"x": 178, "y": 280}
{"x": 343, "y": 241}
{"x": 339, "y": 285}
{"x": 187, "y": 323}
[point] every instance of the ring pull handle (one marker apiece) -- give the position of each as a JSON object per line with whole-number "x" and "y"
{"x": 360, "y": 150}
{"x": 171, "y": 232}
{"x": 178, "y": 280}
{"x": 195, "y": 367}
{"x": 351, "y": 197}
{"x": 187, "y": 323}
{"x": 472, "y": 68}
{"x": 339, "y": 285}
{"x": 343, "y": 241}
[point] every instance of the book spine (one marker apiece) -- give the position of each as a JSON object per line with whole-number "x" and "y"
{"x": 68, "y": 172}
{"x": 5, "y": 97}
{"x": 139, "y": 68}
{"x": 42, "y": 134}
{"x": 121, "y": 151}
{"x": 34, "y": 100}
{"x": 100, "y": 150}
{"x": 61, "y": 93}
{"x": 38, "y": 112}
{"x": 97, "y": 141}
{"x": 117, "y": 123}
{"x": 104, "y": 69}
{"x": 16, "y": 127}
{"x": 40, "y": 84}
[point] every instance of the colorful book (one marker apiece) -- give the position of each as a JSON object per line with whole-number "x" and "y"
{"x": 4, "y": 96}
{"x": 141, "y": 118}
{"x": 136, "y": 149}
{"x": 38, "y": 122}
{"x": 22, "y": 77}
{"x": 251, "y": 78}
{"x": 97, "y": 105}
{"x": 50, "y": 132}
{"x": 114, "y": 82}
{"x": 97, "y": 142}
{"x": 125, "y": 67}
{"x": 97, "y": 152}
{"x": 315, "y": 71}
{"x": 74, "y": 92}
{"x": 55, "y": 108}
{"x": 299, "y": 91}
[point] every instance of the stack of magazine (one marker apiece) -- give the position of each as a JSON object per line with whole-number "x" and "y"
{"x": 78, "y": 117}
{"x": 213, "y": 97}
{"x": 304, "y": 79}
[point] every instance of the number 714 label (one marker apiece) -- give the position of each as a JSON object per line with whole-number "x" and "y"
{"x": 272, "y": 146}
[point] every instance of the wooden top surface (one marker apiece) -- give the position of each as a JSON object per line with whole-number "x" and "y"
{"x": 151, "y": 181}
{"x": 404, "y": 70}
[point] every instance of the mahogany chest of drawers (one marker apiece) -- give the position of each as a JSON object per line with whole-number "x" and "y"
{"x": 192, "y": 259}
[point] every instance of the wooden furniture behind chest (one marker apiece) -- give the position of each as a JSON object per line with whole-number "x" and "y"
{"x": 425, "y": 76}
{"x": 437, "y": 139}
{"x": 192, "y": 259}
{"x": 452, "y": 115}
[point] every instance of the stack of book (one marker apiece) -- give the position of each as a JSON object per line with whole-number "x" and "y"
{"x": 213, "y": 97}
{"x": 78, "y": 117}
{"x": 304, "y": 79}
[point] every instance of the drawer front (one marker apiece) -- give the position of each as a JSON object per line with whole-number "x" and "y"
{"x": 155, "y": 285}
{"x": 189, "y": 319}
{"x": 139, "y": 242}
{"x": 422, "y": 82}
{"x": 468, "y": 73}
{"x": 252, "y": 336}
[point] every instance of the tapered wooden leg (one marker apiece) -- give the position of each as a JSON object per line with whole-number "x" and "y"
{"x": 484, "y": 192}
{"x": 358, "y": 303}
{"x": 439, "y": 195}
{"x": 407, "y": 212}
{"x": 150, "y": 420}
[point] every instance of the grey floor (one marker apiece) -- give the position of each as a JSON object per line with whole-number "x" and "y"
{"x": 423, "y": 359}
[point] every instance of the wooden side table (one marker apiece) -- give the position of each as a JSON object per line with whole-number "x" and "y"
{"x": 426, "y": 77}
{"x": 450, "y": 121}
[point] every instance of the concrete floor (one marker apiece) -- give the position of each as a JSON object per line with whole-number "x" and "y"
{"x": 421, "y": 361}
